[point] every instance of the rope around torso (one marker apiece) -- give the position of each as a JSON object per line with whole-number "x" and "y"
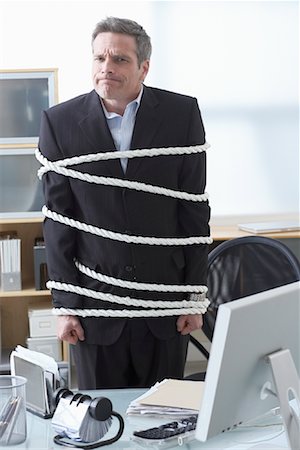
{"x": 163, "y": 308}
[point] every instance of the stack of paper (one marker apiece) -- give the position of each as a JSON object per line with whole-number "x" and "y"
{"x": 169, "y": 398}
{"x": 42, "y": 376}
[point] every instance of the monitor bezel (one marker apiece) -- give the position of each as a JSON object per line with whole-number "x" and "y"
{"x": 238, "y": 372}
{"x": 19, "y": 214}
{"x": 51, "y": 75}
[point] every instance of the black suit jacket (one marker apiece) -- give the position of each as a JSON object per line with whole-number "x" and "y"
{"x": 78, "y": 127}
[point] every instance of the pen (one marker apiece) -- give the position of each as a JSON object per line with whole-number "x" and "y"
{"x": 18, "y": 404}
{"x": 7, "y": 414}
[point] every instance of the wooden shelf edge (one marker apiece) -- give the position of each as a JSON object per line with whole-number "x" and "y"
{"x": 27, "y": 220}
{"x": 25, "y": 293}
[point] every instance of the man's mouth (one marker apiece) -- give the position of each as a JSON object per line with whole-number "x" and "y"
{"x": 108, "y": 79}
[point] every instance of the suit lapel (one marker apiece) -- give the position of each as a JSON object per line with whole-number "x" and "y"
{"x": 97, "y": 132}
{"x": 146, "y": 125}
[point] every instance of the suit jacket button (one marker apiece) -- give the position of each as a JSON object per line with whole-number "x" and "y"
{"x": 128, "y": 268}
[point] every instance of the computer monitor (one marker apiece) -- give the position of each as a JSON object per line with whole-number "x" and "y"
{"x": 239, "y": 377}
{"x": 21, "y": 193}
{"x": 24, "y": 93}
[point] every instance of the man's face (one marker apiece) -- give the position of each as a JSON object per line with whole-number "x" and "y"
{"x": 117, "y": 76}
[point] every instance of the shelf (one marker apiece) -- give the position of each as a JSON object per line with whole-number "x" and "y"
{"x": 29, "y": 292}
{"x": 29, "y": 220}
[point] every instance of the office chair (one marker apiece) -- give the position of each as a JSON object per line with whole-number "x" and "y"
{"x": 241, "y": 267}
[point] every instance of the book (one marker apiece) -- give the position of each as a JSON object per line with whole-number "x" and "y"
{"x": 270, "y": 227}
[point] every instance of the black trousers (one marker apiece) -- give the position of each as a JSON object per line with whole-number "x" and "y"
{"x": 136, "y": 359}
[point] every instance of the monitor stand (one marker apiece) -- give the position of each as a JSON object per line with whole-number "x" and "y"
{"x": 287, "y": 385}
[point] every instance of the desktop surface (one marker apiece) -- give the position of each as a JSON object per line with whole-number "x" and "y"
{"x": 40, "y": 433}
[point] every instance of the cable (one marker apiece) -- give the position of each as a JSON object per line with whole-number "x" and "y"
{"x": 60, "y": 440}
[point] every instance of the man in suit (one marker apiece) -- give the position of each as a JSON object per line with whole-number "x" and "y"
{"x": 121, "y": 113}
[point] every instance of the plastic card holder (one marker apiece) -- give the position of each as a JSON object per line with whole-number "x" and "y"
{"x": 72, "y": 419}
{"x": 69, "y": 417}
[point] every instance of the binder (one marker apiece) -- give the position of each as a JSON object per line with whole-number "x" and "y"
{"x": 10, "y": 264}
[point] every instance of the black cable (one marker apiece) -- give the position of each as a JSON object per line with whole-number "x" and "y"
{"x": 60, "y": 439}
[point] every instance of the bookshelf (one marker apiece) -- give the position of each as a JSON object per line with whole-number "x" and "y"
{"x": 14, "y": 305}
{"x": 18, "y": 139}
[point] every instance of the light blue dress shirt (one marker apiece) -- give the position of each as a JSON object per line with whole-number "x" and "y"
{"x": 121, "y": 127}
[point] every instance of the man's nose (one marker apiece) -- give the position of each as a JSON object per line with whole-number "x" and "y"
{"x": 107, "y": 66}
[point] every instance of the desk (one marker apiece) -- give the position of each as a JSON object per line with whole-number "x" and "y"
{"x": 223, "y": 229}
{"x": 226, "y": 232}
{"x": 40, "y": 433}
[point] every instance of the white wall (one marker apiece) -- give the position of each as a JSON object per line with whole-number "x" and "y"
{"x": 239, "y": 58}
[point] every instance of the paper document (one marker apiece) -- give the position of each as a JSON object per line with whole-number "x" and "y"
{"x": 169, "y": 398}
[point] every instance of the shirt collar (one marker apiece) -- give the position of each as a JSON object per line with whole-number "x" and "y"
{"x": 136, "y": 103}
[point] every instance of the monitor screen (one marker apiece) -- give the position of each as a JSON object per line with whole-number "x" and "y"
{"x": 246, "y": 331}
{"x": 24, "y": 94}
{"x": 21, "y": 193}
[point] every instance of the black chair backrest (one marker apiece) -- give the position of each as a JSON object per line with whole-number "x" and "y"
{"x": 245, "y": 266}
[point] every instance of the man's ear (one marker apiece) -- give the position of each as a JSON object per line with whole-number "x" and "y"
{"x": 144, "y": 68}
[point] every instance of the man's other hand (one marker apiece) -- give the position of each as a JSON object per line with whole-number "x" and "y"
{"x": 69, "y": 329}
{"x": 189, "y": 323}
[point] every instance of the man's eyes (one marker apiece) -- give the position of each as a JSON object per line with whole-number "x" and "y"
{"x": 121, "y": 59}
{"x": 116, "y": 59}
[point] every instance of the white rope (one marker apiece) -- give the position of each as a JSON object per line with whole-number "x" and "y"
{"x": 129, "y": 239}
{"x": 197, "y": 305}
{"x": 138, "y": 286}
{"x": 139, "y": 153}
{"x": 201, "y": 305}
{"x": 122, "y": 313}
{"x": 116, "y": 182}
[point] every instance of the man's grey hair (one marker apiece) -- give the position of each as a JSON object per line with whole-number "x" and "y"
{"x": 129, "y": 27}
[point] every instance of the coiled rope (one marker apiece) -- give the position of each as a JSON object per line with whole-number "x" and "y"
{"x": 59, "y": 167}
{"x": 128, "y": 312}
{"x": 128, "y": 301}
{"x": 139, "y": 286}
{"x": 129, "y": 239}
{"x": 197, "y": 304}
{"x": 139, "y": 153}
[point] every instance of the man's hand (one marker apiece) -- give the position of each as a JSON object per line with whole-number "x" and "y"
{"x": 69, "y": 329}
{"x": 189, "y": 323}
